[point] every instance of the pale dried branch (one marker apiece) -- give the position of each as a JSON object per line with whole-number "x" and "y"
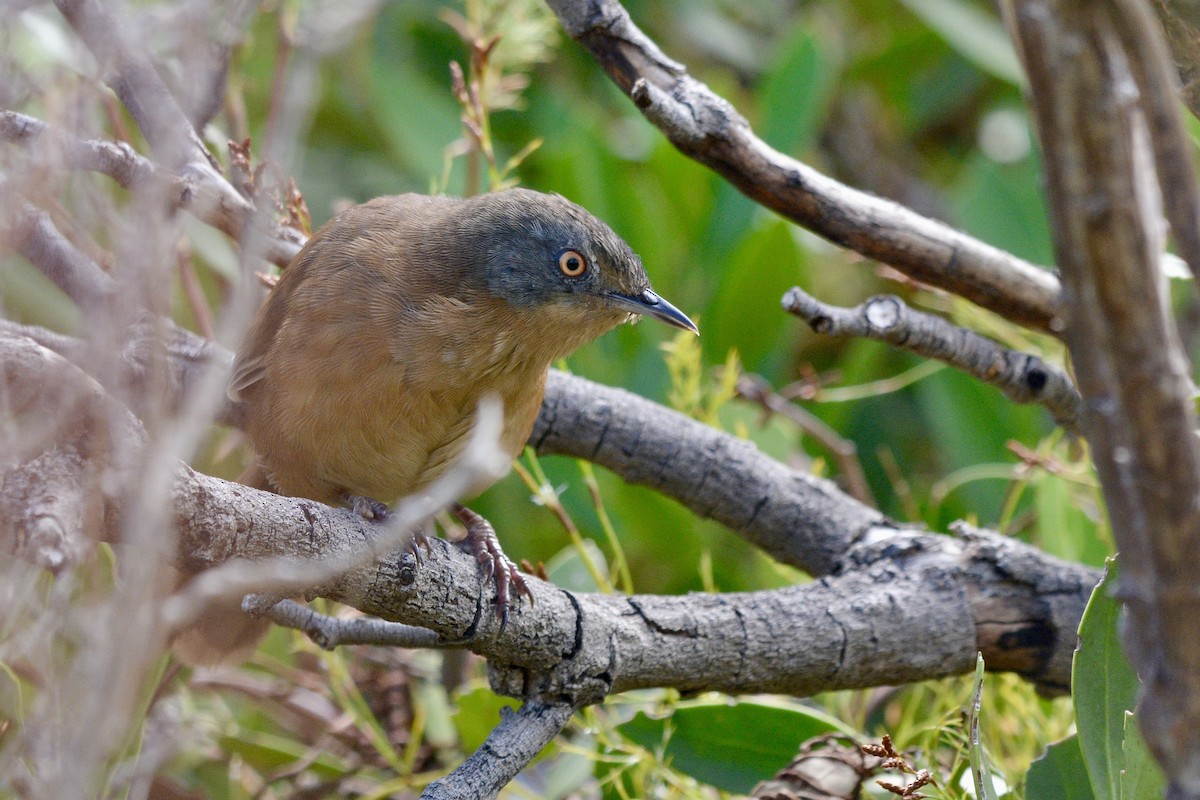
{"x": 32, "y": 233}
{"x": 206, "y": 195}
{"x": 1023, "y": 377}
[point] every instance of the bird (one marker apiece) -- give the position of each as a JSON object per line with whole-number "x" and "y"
{"x": 362, "y": 372}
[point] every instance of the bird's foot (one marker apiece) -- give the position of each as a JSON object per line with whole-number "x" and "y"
{"x": 367, "y": 508}
{"x": 419, "y": 542}
{"x": 371, "y": 509}
{"x": 481, "y": 538}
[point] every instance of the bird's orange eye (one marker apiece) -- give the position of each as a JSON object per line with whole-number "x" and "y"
{"x": 572, "y": 263}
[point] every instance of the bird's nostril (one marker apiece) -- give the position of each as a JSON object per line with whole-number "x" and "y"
{"x": 650, "y": 297}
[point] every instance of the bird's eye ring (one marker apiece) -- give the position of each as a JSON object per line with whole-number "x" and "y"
{"x": 572, "y": 263}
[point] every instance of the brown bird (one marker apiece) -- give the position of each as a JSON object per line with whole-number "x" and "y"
{"x": 363, "y": 371}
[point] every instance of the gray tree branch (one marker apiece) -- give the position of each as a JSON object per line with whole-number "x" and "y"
{"x": 708, "y": 129}
{"x": 512, "y": 744}
{"x": 1023, "y": 377}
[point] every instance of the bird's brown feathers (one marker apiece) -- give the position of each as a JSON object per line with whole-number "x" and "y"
{"x": 372, "y": 390}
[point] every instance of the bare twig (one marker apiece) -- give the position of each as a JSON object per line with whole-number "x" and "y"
{"x": 206, "y": 195}
{"x": 511, "y": 745}
{"x": 117, "y": 160}
{"x": 845, "y": 452}
{"x": 1023, "y": 377}
{"x": 330, "y": 632}
{"x": 706, "y": 128}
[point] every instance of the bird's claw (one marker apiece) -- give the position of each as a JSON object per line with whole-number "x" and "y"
{"x": 481, "y": 538}
{"x": 419, "y": 542}
{"x": 367, "y": 508}
{"x": 373, "y": 510}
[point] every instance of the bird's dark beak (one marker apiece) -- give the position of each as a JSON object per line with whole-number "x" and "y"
{"x": 648, "y": 304}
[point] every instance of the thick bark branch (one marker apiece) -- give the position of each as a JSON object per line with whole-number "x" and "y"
{"x": 705, "y": 127}
{"x": 905, "y": 605}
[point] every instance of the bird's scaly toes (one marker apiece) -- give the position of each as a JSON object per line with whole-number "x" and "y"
{"x": 481, "y": 538}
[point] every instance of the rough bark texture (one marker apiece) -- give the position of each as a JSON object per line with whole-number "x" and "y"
{"x": 800, "y": 520}
{"x": 951, "y": 595}
{"x": 1132, "y": 372}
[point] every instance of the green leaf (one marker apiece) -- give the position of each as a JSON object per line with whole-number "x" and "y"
{"x": 977, "y": 36}
{"x": 766, "y": 263}
{"x": 711, "y": 740}
{"x": 1061, "y": 773}
{"x": 797, "y": 91}
{"x": 1142, "y": 778}
{"x": 980, "y": 767}
{"x": 267, "y": 752}
{"x": 29, "y": 297}
{"x": 412, "y": 103}
{"x": 1104, "y": 688}
{"x": 1003, "y": 205}
{"x": 1064, "y": 528}
{"x": 567, "y": 569}
{"x": 478, "y": 713}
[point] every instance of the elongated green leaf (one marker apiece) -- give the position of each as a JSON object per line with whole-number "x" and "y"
{"x": 732, "y": 747}
{"x": 267, "y": 752}
{"x": 1104, "y": 688}
{"x": 977, "y": 36}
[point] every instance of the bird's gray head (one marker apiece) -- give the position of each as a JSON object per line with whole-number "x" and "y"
{"x": 543, "y": 249}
